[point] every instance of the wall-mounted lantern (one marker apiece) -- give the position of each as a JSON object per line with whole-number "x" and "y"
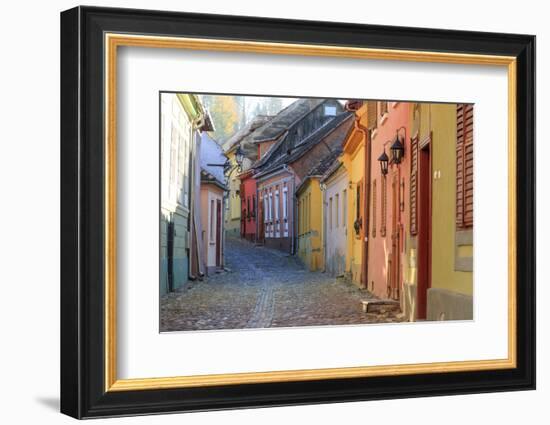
{"x": 228, "y": 167}
{"x": 398, "y": 147}
{"x": 384, "y": 160}
{"x": 239, "y": 156}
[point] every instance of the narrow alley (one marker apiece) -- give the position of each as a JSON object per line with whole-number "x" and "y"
{"x": 263, "y": 288}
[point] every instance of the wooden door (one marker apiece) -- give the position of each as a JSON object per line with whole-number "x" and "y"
{"x": 424, "y": 229}
{"x": 218, "y": 233}
{"x": 395, "y": 280}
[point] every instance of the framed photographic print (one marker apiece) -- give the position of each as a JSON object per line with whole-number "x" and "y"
{"x": 261, "y": 212}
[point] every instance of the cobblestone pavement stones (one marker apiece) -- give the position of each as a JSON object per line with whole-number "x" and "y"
{"x": 264, "y": 288}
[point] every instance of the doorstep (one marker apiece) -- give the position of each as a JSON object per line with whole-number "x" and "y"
{"x": 380, "y": 306}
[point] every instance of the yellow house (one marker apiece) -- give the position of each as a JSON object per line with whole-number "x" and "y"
{"x": 232, "y": 223}
{"x": 353, "y": 158}
{"x": 439, "y": 251}
{"x": 311, "y": 217}
{"x": 310, "y": 223}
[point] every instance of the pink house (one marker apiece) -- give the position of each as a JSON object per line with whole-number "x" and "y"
{"x": 389, "y": 209}
{"x": 212, "y": 189}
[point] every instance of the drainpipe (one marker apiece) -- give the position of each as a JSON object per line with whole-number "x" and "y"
{"x": 194, "y": 253}
{"x": 366, "y": 196}
{"x": 259, "y": 216}
{"x": 323, "y": 201}
{"x": 294, "y": 211}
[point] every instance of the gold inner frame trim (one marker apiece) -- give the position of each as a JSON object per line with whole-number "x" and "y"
{"x": 113, "y": 41}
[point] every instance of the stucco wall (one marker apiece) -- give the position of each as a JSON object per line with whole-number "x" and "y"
{"x": 281, "y": 180}
{"x": 450, "y": 296}
{"x": 444, "y": 304}
{"x": 336, "y": 241}
{"x": 233, "y": 210}
{"x": 175, "y": 196}
{"x": 310, "y": 240}
{"x": 444, "y": 275}
{"x": 355, "y": 164}
{"x": 380, "y": 245}
{"x": 247, "y": 198}
{"x": 209, "y": 193}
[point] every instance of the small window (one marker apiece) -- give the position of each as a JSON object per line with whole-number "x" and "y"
{"x": 285, "y": 203}
{"x": 330, "y": 213}
{"x": 330, "y": 111}
{"x": 337, "y": 209}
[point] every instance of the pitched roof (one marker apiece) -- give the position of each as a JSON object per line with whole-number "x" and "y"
{"x": 321, "y": 168}
{"x": 334, "y": 166}
{"x": 207, "y": 177}
{"x": 285, "y": 118}
{"x": 309, "y": 142}
{"x": 324, "y": 164}
{"x": 243, "y": 132}
{"x": 305, "y": 123}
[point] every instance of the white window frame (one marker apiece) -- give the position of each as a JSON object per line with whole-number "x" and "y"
{"x": 285, "y": 211}
{"x": 276, "y": 223}
{"x": 330, "y": 111}
{"x": 270, "y": 214}
{"x": 285, "y": 202}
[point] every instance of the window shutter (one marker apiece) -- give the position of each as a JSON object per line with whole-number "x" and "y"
{"x": 464, "y": 166}
{"x": 414, "y": 186}
{"x": 371, "y": 115}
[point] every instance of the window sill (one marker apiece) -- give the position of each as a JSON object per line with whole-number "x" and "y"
{"x": 374, "y": 133}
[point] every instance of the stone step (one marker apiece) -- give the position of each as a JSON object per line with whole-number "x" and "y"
{"x": 380, "y": 306}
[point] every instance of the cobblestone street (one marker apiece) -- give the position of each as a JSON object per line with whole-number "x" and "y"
{"x": 265, "y": 288}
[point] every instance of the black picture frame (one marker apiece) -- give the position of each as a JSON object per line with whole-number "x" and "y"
{"x": 83, "y": 392}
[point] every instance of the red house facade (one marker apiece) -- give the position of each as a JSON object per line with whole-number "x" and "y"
{"x": 249, "y": 206}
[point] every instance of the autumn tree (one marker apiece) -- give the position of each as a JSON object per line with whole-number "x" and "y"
{"x": 227, "y": 112}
